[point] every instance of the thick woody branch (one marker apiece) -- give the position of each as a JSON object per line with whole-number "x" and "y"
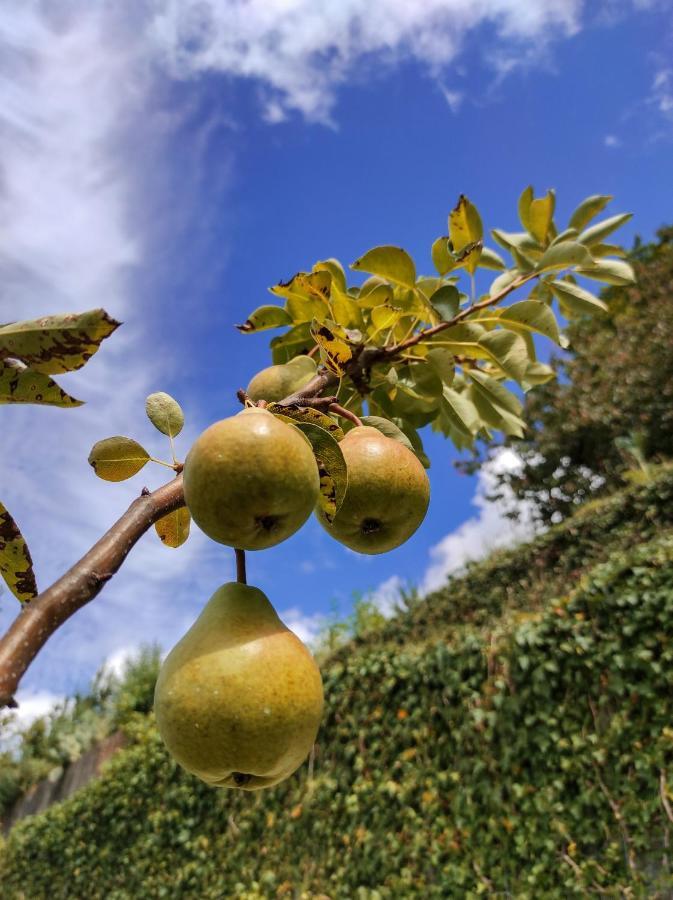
{"x": 50, "y": 609}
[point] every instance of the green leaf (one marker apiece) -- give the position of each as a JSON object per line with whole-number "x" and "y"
{"x": 596, "y": 233}
{"x": 587, "y": 209}
{"x": 336, "y": 270}
{"x": 391, "y": 263}
{"x": 460, "y": 411}
{"x": 55, "y": 344}
{"x": 537, "y": 373}
{"x": 334, "y": 352}
{"x": 465, "y": 225}
{"x": 19, "y": 384}
{"x": 442, "y": 362}
{"x": 575, "y": 300}
{"x": 446, "y": 302}
{"x": 385, "y": 426}
{"x": 610, "y": 271}
{"x": 502, "y": 281}
{"x": 265, "y": 317}
{"x": 536, "y": 215}
{"x": 173, "y": 529}
{"x": 563, "y": 255}
{"x": 425, "y": 379}
{"x": 295, "y": 342}
{"x": 600, "y": 250}
{"x": 489, "y": 259}
{"x": 442, "y": 258}
{"x": 497, "y": 406}
{"x": 531, "y": 315}
{"x": 117, "y": 458}
{"x": 308, "y": 415}
{"x": 331, "y": 468}
{"x": 165, "y": 413}
{"x": 16, "y": 565}
{"x": 508, "y": 350}
{"x": 570, "y": 234}
{"x": 416, "y": 442}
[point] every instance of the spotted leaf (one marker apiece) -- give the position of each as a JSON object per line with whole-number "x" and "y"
{"x": 20, "y": 384}
{"x": 331, "y": 467}
{"x": 16, "y": 565}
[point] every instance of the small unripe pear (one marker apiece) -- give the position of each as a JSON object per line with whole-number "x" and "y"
{"x": 251, "y": 480}
{"x": 277, "y": 382}
{"x": 239, "y": 699}
{"x": 387, "y": 495}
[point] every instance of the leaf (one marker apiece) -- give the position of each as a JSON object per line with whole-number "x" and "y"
{"x": 385, "y": 426}
{"x": 303, "y": 366}
{"x": 446, "y": 302}
{"x": 442, "y": 362}
{"x": 16, "y": 565}
{"x": 385, "y": 316}
{"x": 537, "y": 215}
{"x": 306, "y": 414}
{"x": 465, "y": 225}
{"x": 19, "y": 384}
{"x": 537, "y": 373}
{"x": 345, "y": 309}
{"x": 460, "y": 411}
{"x": 508, "y": 350}
{"x": 391, "y": 263}
{"x": 306, "y": 295}
{"x": 377, "y": 296}
{"x": 295, "y": 342}
{"x": 568, "y": 235}
{"x": 265, "y": 317}
{"x": 497, "y": 406}
{"x": 524, "y": 249}
{"x": 611, "y": 271}
{"x": 335, "y": 353}
{"x": 596, "y": 233}
{"x": 489, "y": 259}
{"x": 442, "y": 258}
{"x": 117, "y": 458}
{"x": 587, "y": 209}
{"x": 502, "y": 281}
{"x": 575, "y": 300}
{"x": 165, "y": 413}
{"x": 531, "y": 315}
{"x": 425, "y": 379}
{"x": 331, "y": 468}
{"x": 469, "y": 256}
{"x": 563, "y": 255}
{"x": 55, "y": 344}
{"x": 336, "y": 270}
{"x": 416, "y": 443}
{"x": 600, "y": 250}
{"x": 173, "y": 529}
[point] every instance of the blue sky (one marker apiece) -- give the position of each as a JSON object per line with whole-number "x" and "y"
{"x": 170, "y": 161}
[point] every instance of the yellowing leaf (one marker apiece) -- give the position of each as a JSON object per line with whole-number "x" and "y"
{"x": 469, "y": 257}
{"x": 165, "y": 413}
{"x": 536, "y": 215}
{"x": 385, "y": 316}
{"x": 335, "y": 352}
{"x": 345, "y": 309}
{"x": 464, "y": 225}
{"x": 391, "y": 263}
{"x": 307, "y": 295}
{"x": 55, "y": 344}
{"x": 19, "y": 384}
{"x": 16, "y": 565}
{"x": 331, "y": 468}
{"x": 336, "y": 270}
{"x": 117, "y": 458}
{"x": 173, "y": 529}
{"x": 442, "y": 257}
{"x": 265, "y": 317}
{"x": 378, "y": 295}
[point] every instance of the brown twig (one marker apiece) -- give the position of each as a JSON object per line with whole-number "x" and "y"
{"x": 240, "y": 566}
{"x": 344, "y": 413}
{"x": 50, "y": 609}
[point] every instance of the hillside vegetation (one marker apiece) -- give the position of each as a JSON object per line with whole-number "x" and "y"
{"x": 511, "y": 735}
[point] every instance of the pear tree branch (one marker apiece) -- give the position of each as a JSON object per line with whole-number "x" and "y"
{"x": 40, "y": 618}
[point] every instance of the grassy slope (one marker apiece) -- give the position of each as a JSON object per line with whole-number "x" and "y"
{"x": 512, "y": 734}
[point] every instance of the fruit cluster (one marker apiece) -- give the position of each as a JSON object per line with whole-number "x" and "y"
{"x": 239, "y": 699}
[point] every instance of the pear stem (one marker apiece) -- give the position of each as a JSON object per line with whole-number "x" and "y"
{"x": 344, "y": 413}
{"x": 240, "y": 566}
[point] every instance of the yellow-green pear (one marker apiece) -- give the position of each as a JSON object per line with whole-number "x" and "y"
{"x": 251, "y": 481}
{"x": 387, "y": 495}
{"x": 239, "y": 699}
{"x": 277, "y": 382}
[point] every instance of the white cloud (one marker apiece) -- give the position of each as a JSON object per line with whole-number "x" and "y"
{"x": 306, "y": 627}
{"x": 662, "y": 91}
{"x": 612, "y": 141}
{"x": 387, "y": 594}
{"x": 486, "y": 531}
{"x": 32, "y": 705}
{"x": 453, "y": 97}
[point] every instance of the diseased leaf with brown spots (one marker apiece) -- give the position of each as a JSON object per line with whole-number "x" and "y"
{"x": 334, "y": 352}
{"x": 331, "y": 467}
{"x": 173, "y": 529}
{"x": 19, "y": 384}
{"x": 308, "y": 415}
{"x": 117, "y": 458}
{"x": 16, "y": 565}
{"x": 265, "y": 317}
{"x": 55, "y": 344}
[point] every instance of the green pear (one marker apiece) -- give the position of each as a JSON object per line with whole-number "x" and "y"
{"x": 239, "y": 699}
{"x": 277, "y": 382}
{"x": 387, "y": 495}
{"x": 251, "y": 481}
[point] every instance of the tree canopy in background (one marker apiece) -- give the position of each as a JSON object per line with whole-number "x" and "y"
{"x": 610, "y": 412}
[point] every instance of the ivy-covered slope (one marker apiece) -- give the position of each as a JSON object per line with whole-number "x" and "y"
{"x": 510, "y": 736}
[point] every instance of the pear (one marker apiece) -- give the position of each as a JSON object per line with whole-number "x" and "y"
{"x": 251, "y": 481}
{"x": 239, "y": 699}
{"x": 387, "y": 494}
{"x": 277, "y": 382}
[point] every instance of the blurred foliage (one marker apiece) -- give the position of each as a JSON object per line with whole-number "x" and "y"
{"x": 510, "y": 735}
{"x": 609, "y": 415}
{"x": 43, "y": 748}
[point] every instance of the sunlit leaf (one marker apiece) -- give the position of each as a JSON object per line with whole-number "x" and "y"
{"x": 306, "y": 295}
{"x": 336, "y": 270}
{"x": 334, "y": 352}
{"x": 385, "y": 316}
{"x": 295, "y": 342}
{"x": 532, "y": 315}
{"x": 173, "y": 529}
{"x": 468, "y": 258}
{"x": 16, "y": 565}
{"x": 610, "y": 271}
{"x": 378, "y": 295}
{"x": 575, "y": 300}
{"x": 265, "y": 317}
{"x": 331, "y": 468}
{"x": 310, "y": 416}
{"x": 345, "y": 308}
{"x": 502, "y": 282}
{"x": 570, "y": 234}
{"x": 20, "y": 384}
{"x": 561, "y": 256}
{"x": 536, "y": 214}
{"x": 165, "y": 413}
{"x": 55, "y": 344}
{"x": 600, "y": 250}
{"x": 117, "y": 458}
{"x": 489, "y": 259}
{"x": 537, "y": 373}
{"x": 587, "y": 210}
{"x": 442, "y": 258}
{"x": 596, "y": 233}
{"x": 465, "y": 225}
{"x": 391, "y": 263}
